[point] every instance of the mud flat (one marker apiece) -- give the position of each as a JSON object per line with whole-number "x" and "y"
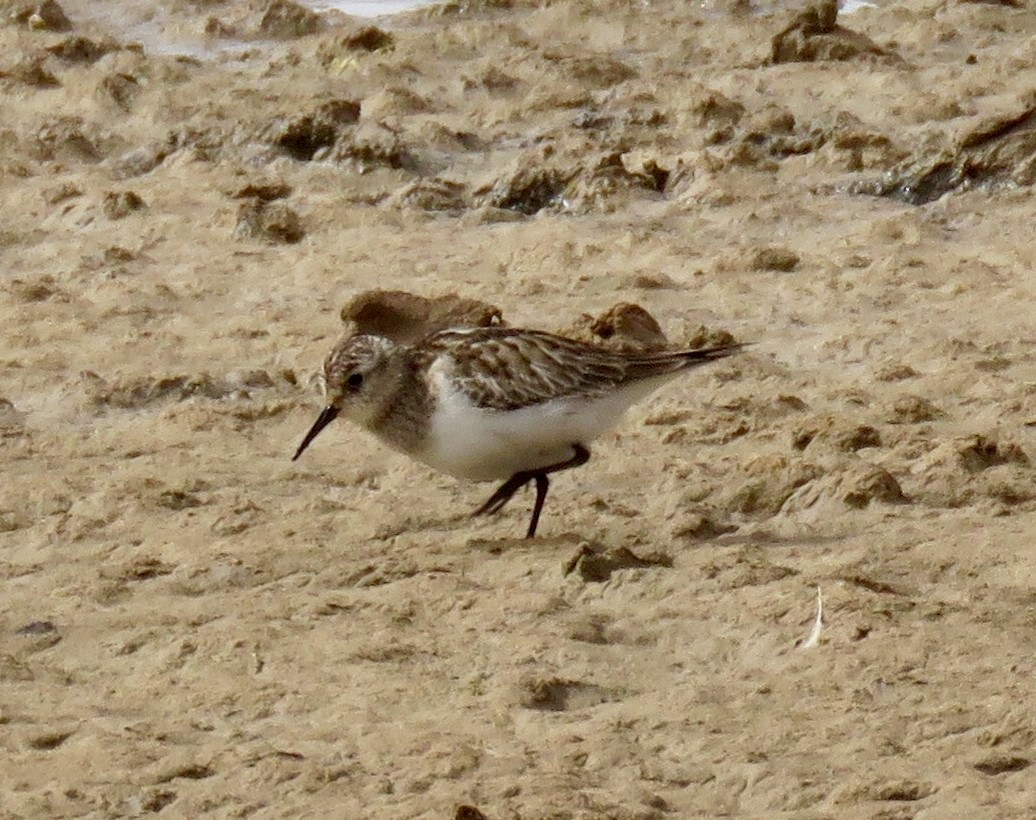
{"x": 192, "y": 625}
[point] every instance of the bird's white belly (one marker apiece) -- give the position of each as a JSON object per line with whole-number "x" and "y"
{"x": 483, "y": 444}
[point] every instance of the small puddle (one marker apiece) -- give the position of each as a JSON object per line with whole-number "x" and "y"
{"x": 367, "y": 8}
{"x": 853, "y": 6}
{"x": 162, "y": 31}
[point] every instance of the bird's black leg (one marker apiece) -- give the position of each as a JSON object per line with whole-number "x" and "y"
{"x": 503, "y": 494}
{"x": 506, "y": 490}
{"x": 542, "y": 485}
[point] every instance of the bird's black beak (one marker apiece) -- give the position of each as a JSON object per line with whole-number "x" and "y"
{"x": 327, "y": 415}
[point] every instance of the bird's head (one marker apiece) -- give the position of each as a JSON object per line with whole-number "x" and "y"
{"x": 356, "y": 378}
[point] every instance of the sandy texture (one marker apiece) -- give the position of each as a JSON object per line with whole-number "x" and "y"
{"x": 192, "y": 625}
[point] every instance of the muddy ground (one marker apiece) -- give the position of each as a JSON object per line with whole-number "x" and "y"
{"x": 191, "y": 624}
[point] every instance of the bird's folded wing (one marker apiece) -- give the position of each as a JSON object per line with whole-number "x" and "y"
{"x": 504, "y": 369}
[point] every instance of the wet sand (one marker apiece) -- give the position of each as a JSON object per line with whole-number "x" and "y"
{"x": 193, "y": 625}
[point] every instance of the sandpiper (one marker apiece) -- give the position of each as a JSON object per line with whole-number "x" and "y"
{"x": 492, "y": 403}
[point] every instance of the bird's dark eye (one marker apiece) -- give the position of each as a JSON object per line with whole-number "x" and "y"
{"x": 354, "y": 380}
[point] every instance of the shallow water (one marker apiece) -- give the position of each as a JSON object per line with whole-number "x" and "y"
{"x": 161, "y": 31}
{"x": 367, "y": 8}
{"x": 853, "y": 6}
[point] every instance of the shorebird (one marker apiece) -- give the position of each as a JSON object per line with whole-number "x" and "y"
{"x": 492, "y": 403}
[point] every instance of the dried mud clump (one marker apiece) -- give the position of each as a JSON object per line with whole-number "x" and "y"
{"x": 554, "y": 694}
{"x": 717, "y": 110}
{"x": 862, "y": 146}
{"x": 270, "y": 221}
{"x": 997, "y": 764}
{"x": 147, "y": 158}
{"x": 965, "y": 469}
{"x": 538, "y": 182}
{"x": 431, "y": 194}
{"x": 895, "y": 372}
{"x": 285, "y": 20}
{"x": 32, "y": 73}
{"x": 832, "y": 433}
{"x": 305, "y": 136}
{"x": 748, "y": 568}
{"x": 596, "y": 71}
{"x": 596, "y": 565}
{"x": 774, "y": 133}
{"x": 334, "y": 52}
{"x": 639, "y": 122}
{"x": 45, "y": 16}
{"x": 63, "y": 139}
{"x": 528, "y": 188}
{"x": 814, "y": 35}
{"x": 702, "y": 336}
{"x": 405, "y": 317}
{"x": 119, "y": 88}
{"x": 82, "y": 50}
{"x": 394, "y": 101}
{"x": 977, "y": 453}
{"x": 120, "y": 204}
{"x": 265, "y": 191}
{"x": 466, "y": 812}
{"x": 776, "y": 259}
{"x": 769, "y": 483}
{"x": 265, "y": 19}
{"x": 373, "y": 149}
{"x": 625, "y": 327}
{"x": 42, "y": 289}
{"x": 602, "y": 182}
{"x": 12, "y": 421}
{"x": 700, "y": 525}
{"x": 491, "y": 79}
{"x": 913, "y": 410}
{"x": 853, "y": 484}
{"x": 1000, "y": 153}
{"x": 760, "y": 140}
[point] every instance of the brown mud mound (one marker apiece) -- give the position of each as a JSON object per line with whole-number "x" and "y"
{"x": 623, "y": 327}
{"x": 814, "y": 35}
{"x": 997, "y": 154}
{"x": 263, "y": 19}
{"x": 405, "y": 317}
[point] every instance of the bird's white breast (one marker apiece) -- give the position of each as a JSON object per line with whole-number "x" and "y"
{"x": 485, "y": 444}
